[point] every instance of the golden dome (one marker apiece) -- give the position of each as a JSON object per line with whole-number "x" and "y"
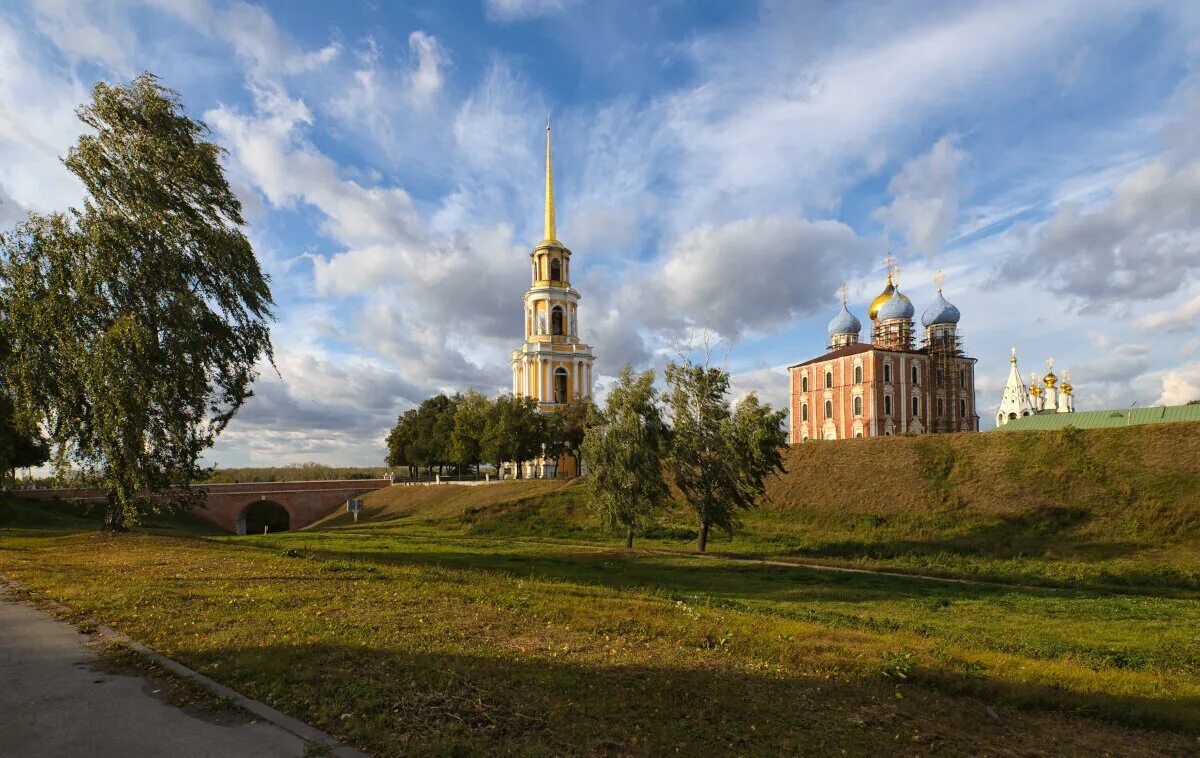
{"x": 1050, "y": 379}
{"x": 884, "y": 296}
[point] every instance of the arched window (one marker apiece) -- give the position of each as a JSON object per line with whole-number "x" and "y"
{"x": 1012, "y": 416}
{"x": 804, "y": 412}
{"x": 887, "y": 405}
{"x": 858, "y": 374}
{"x": 858, "y": 405}
{"x": 535, "y": 267}
{"x": 828, "y": 409}
{"x": 858, "y": 434}
{"x": 804, "y": 384}
{"x": 962, "y": 407}
{"x": 555, "y": 270}
{"x": 941, "y": 377}
{"x": 941, "y": 408}
{"x": 887, "y": 372}
{"x": 828, "y": 379}
{"x": 916, "y": 407}
{"x": 560, "y": 385}
{"x": 916, "y": 376}
{"x": 556, "y": 320}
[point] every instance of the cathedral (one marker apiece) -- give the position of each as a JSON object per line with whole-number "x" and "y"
{"x": 552, "y": 365}
{"x": 888, "y": 385}
{"x": 1047, "y": 395}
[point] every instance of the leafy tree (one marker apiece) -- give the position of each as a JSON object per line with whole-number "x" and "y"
{"x": 575, "y": 417}
{"x": 470, "y": 422}
{"x": 624, "y": 445}
{"x": 137, "y": 321}
{"x": 719, "y": 459}
{"x": 515, "y": 431}
{"x": 400, "y": 441}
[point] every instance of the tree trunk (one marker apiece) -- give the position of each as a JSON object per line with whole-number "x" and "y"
{"x": 629, "y": 538}
{"x": 114, "y": 517}
{"x": 703, "y": 535}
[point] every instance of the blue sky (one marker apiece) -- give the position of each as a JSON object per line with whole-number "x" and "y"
{"x": 719, "y": 166}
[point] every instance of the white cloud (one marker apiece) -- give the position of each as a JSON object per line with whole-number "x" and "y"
{"x": 750, "y": 275}
{"x": 1142, "y": 243}
{"x": 1179, "y": 319}
{"x": 925, "y": 197}
{"x": 1180, "y": 385}
{"x": 521, "y": 10}
{"x": 81, "y": 37}
{"x": 426, "y": 79}
{"x": 267, "y": 51}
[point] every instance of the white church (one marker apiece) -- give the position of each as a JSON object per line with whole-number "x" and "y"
{"x": 1045, "y": 395}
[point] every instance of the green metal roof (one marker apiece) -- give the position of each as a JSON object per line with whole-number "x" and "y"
{"x": 1163, "y": 414}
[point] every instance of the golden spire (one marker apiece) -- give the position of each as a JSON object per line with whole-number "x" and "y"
{"x": 550, "y": 231}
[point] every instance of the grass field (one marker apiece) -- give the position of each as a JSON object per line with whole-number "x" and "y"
{"x": 498, "y": 619}
{"x": 1115, "y": 508}
{"x": 469, "y": 645}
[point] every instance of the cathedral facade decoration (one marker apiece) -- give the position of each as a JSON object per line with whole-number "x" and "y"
{"x": 889, "y": 385}
{"x": 1046, "y": 394}
{"x": 552, "y": 365}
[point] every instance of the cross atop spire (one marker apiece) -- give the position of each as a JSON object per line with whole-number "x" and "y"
{"x": 889, "y": 264}
{"x": 1050, "y": 363}
{"x": 1013, "y": 360}
{"x": 550, "y": 232}
{"x": 842, "y": 292}
{"x": 938, "y": 278}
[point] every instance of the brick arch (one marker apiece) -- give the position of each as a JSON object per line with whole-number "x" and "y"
{"x": 264, "y": 512}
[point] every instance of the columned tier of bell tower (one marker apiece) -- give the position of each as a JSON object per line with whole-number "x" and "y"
{"x": 552, "y": 365}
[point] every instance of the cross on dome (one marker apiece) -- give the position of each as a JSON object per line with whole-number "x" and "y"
{"x": 842, "y": 292}
{"x": 938, "y": 278}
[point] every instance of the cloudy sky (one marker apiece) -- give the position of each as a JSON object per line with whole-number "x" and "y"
{"x": 719, "y": 166}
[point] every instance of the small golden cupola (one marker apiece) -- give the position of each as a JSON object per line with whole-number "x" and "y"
{"x": 1050, "y": 379}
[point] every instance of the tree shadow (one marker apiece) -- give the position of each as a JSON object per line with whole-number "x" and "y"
{"x": 501, "y": 700}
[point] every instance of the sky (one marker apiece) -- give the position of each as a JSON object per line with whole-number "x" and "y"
{"x": 720, "y": 168}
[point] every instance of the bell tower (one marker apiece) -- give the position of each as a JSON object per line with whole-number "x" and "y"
{"x": 552, "y": 365}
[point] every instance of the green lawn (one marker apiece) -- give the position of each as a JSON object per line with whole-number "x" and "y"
{"x": 438, "y": 642}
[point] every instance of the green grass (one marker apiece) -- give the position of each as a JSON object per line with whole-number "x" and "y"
{"x": 464, "y": 644}
{"x": 1114, "y": 509}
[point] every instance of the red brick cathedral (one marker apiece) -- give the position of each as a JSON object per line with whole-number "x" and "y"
{"x": 887, "y": 386}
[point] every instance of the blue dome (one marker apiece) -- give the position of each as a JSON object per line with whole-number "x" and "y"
{"x": 940, "y": 311}
{"x": 845, "y": 323}
{"x": 897, "y": 306}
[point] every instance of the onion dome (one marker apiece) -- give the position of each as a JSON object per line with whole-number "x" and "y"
{"x": 877, "y": 303}
{"x": 940, "y": 311}
{"x": 1066, "y": 383}
{"x": 1050, "y": 379}
{"x": 845, "y": 322}
{"x": 897, "y": 307}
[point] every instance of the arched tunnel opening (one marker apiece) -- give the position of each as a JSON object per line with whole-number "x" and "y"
{"x": 263, "y": 514}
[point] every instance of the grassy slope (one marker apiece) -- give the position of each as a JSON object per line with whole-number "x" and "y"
{"x": 470, "y": 646}
{"x": 1100, "y": 507}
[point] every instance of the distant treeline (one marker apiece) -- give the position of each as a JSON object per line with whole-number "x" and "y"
{"x": 296, "y": 472}
{"x": 459, "y": 433}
